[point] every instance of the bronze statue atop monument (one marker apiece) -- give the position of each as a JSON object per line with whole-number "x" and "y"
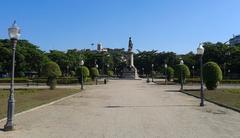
{"x": 130, "y": 72}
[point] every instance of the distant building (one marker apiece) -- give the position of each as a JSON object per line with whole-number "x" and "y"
{"x": 100, "y": 48}
{"x": 235, "y": 40}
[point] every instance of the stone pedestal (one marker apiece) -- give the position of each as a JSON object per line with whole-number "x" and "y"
{"x": 130, "y": 72}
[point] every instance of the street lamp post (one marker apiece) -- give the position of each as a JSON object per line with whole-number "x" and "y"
{"x": 96, "y": 76}
{"x": 200, "y": 52}
{"x": 81, "y": 63}
{"x": 227, "y": 54}
{"x": 108, "y": 71}
{"x": 143, "y": 72}
{"x": 14, "y": 34}
{"x": 165, "y": 66}
{"x": 152, "y": 71}
{"x": 193, "y": 71}
{"x": 181, "y": 63}
{"x": 67, "y": 70}
{"x": 229, "y": 73}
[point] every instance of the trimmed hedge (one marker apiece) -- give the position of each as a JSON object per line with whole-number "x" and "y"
{"x": 51, "y": 70}
{"x": 61, "y": 80}
{"x": 170, "y": 73}
{"x": 212, "y": 75}
{"x": 110, "y": 73}
{"x": 181, "y": 69}
{"x": 94, "y": 72}
{"x": 85, "y": 71}
{"x": 16, "y": 80}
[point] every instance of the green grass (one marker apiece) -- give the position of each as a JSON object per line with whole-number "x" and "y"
{"x": 227, "y": 97}
{"x": 29, "y": 98}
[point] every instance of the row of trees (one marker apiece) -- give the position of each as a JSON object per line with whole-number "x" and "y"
{"x": 227, "y": 57}
{"x": 29, "y": 58}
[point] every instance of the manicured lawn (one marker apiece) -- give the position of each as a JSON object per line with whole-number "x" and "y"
{"x": 228, "y": 97}
{"x": 29, "y": 98}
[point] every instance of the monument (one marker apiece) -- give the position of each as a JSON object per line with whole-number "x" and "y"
{"x": 130, "y": 72}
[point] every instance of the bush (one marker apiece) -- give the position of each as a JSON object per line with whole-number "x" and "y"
{"x": 94, "y": 72}
{"x": 60, "y": 80}
{"x": 181, "y": 69}
{"x": 52, "y": 71}
{"x": 212, "y": 74}
{"x": 20, "y": 74}
{"x": 72, "y": 73}
{"x": 85, "y": 71}
{"x": 110, "y": 73}
{"x": 170, "y": 73}
{"x": 16, "y": 80}
{"x": 67, "y": 80}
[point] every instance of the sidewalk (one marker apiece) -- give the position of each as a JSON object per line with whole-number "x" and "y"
{"x": 127, "y": 109}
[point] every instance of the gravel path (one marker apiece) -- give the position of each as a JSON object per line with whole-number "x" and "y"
{"x": 127, "y": 109}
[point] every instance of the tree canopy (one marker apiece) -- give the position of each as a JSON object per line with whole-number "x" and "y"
{"x": 30, "y": 58}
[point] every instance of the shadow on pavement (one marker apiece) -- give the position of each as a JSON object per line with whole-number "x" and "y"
{"x": 172, "y": 91}
{"x": 150, "y": 106}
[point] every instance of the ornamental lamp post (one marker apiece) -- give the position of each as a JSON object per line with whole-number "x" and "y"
{"x": 152, "y": 71}
{"x": 227, "y": 54}
{"x": 67, "y": 70}
{"x": 229, "y": 73}
{"x": 14, "y": 34}
{"x": 200, "y": 52}
{"x": 107, "y": 68}
{"x": 143, "y": 72}
{"x": 181, "y": 63}
{"x": 193, "y": 71}
{"x": 107, "y": 72}
{"x": 96, "y": 76}
{"x": 165, "y": 66}
{"x": 81, "y": 64}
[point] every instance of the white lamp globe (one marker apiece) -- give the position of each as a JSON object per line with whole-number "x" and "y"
{"x": 14, "y": 31}
{"x": 200, "y": 50}
{"x": 81, "y": 62}
{"x": 181, "y": 62}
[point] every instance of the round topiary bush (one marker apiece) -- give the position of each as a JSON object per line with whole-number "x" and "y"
{"x": 94, "y": 73}
{"x": 51, "y": 70}
{"x": 85, "y": 71}
{"x": 110, "y": 73}
{"x": 170, "y": 73}
{"x": 72, "y": 73}
{"x": 181, "y": 69}
{"x": 212, "y": 75}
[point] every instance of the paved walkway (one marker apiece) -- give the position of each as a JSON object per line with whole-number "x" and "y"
{"x": 127, "y": 109}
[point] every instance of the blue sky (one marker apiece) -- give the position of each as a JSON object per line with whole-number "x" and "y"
{"x": 164, "y": 25}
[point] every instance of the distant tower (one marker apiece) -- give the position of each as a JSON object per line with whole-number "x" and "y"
{"x": 99, "y": 47}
